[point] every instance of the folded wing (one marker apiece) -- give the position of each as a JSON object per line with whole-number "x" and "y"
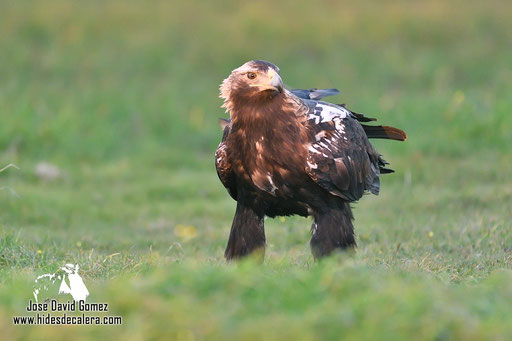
{"x": 341, "y": 159}
{"x": 222, "y": 162}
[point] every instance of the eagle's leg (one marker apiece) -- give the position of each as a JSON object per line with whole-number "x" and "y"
{"x": 247, "y": 234}
{"x": 332, "y": 229}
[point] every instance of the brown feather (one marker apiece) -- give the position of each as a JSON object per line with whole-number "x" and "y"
{"x": 384, "y": 132}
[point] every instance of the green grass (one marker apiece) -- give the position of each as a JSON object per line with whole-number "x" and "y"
{"x": 122, "y": 97}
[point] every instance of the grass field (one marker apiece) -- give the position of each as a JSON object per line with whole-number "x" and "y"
{"x": 121, "y": 96}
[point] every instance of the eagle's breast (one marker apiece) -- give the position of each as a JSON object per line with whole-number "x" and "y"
{"x": 270, "y": 147}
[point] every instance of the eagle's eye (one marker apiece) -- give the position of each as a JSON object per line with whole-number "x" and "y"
{"x": 251, "y": 75}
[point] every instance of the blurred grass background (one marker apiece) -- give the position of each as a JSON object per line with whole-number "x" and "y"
{"x": 121, "y": 97}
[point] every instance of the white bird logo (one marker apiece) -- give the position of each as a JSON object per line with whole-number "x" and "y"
{"x": 76, "y": 286}
{"x": 71, "y": 283}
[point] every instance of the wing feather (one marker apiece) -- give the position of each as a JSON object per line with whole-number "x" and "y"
{"x": 224, "y": 165}
{"x": 341, "y": 159}
{"x": 314, "y": 94}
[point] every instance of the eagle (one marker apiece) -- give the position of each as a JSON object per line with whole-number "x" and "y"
{"x": 288, "y": 153}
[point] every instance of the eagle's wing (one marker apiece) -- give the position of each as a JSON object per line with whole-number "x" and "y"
{"x": 341, "y": 159}
{"x": 223, "y": 164}
{"x": 314, "y": 94}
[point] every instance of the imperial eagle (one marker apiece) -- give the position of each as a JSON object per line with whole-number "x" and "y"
{"x": 287, "y": 152}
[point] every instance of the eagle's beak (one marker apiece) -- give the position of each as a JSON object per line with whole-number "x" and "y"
{"x": 276, "y": 82}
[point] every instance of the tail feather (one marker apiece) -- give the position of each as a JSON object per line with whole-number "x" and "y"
{"x": 382, "y": 166}
{"x": 384, "y": 170}
{"x": 384, "y": 132}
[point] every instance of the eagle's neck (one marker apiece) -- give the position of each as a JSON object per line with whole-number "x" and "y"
{"x": 263, "y": 112}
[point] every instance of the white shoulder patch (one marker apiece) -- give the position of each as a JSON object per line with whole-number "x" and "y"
{"x": 324, "y": 112}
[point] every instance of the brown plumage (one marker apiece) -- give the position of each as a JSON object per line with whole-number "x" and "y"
{"x": 284, "y": 153}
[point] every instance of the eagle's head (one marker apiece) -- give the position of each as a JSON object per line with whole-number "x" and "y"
{"x": 254, "y": 82}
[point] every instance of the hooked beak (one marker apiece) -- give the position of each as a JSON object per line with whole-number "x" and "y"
{"x": 276, "y": 82}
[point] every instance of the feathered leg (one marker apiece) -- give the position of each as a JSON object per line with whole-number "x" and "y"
{"x": 247, "y": 233}
{"x": 332, "y": 229}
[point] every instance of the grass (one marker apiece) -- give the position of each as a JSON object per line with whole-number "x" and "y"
{"x": 122, "y": 98}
